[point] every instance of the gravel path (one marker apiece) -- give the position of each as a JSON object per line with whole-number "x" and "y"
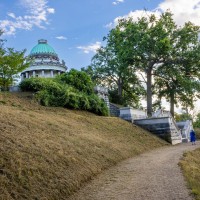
{"x": 151, "y": 176}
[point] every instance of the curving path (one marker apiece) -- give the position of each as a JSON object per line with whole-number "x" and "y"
{"x": 151, "y": 176}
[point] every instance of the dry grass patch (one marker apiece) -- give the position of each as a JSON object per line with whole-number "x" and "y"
{"x": 197, "y": 131}
{"x": 190, "y": 165}
{"x": 48, "y": 153}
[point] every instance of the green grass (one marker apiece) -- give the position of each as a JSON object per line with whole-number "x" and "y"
{"x": 48, "y": 153}
{"x": 190, "y": 165}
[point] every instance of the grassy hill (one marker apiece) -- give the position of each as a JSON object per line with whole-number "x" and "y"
{"x": 190, "y": 165}
{"x": 48, "y": 153}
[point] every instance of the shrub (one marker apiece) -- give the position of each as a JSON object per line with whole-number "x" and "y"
{"x": 97, "y": 105}
{"x": 52, "y": 92}
{"x": 73, "y": 100}
{"x": 84, "y": 103}
{"x": 35, "y": 84}
{"x": 43, "y": 97}
{"x": 79, "y": 80}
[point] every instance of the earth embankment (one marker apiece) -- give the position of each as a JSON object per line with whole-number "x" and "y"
{"x": 48, "y": 153}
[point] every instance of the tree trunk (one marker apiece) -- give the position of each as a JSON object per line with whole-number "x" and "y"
{"x": 172, "y": 102}
{"x": 120, "y": 86}
{"x": 149, "y": 92}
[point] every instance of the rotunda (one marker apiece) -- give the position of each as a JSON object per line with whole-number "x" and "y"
{"x": 45, "y": 62}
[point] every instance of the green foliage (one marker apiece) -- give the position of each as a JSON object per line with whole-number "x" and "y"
{"x": 84, "y": 103}
{"x": 129, "y": 98}
{"x": 73, "y": 101}
{"x": 79, "y": 80}
{"x": 197, "y": 121}
{"x": 49, "y": 92}
{"x": 36, "y": 84}
{"x": 182, "y": 117}
{"x": 97, "y": 105}
{"x": 109, "y": 69}
{"x": 43, "y": 97}
{"x": 53, "y": 92}
{"x": 11, "y": 63}
{"x": 157, "y": 48}
{"x": 178, "y": 79}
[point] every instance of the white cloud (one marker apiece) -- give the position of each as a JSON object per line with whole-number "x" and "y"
{"x": 51, "y": 10}
{"x": 183, "y": 10}
{"x": 117, "y": 2}
{"x": 37, "y": 12}
{"x": 90, "y": 48}
{"x": 134, "y": 15}
{"x": 61, "y": 37}
{"x": 11, "y": 15}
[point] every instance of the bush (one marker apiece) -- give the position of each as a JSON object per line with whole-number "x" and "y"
{"x": 84, "y": 103}
{"x": 73, "y": 101}
{"x": 35, "y": 84}
{"x": 79, "y": 80}
{"x": 97, "y": 105}
{"x": 52, "y": 92}
{"x": 43, "y": 97}
{"x": 48, "y": 92}
{"x": 47, "y": 98}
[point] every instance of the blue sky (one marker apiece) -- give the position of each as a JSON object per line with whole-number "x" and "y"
{"x": 75, "y": 28}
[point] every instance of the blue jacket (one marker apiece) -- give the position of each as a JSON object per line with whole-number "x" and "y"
{"x": 192, "y": 136}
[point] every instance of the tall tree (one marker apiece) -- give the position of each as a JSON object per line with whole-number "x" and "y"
{"x": 152, "y": 45}
{"x": 12, "y": 62}
{"x": 178, "y": 80}
{"x": 109, "y": 70}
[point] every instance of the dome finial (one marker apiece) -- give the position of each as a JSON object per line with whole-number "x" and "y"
{"x": 42, "y": 41}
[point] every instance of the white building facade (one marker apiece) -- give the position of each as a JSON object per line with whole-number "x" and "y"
{"x": 45, "y": 62}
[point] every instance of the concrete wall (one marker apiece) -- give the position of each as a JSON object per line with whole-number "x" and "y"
{"x": 164, "y": 127}
{"x": 14, "y": 89}
{"x": 114, "y": 110}
{"x": 130, "y": 114}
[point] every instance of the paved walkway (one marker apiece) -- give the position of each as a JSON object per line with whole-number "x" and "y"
{"x": 151, "y": 176}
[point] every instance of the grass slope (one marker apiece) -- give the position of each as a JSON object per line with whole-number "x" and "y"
{"x": 190, "y": 165}
{"x": 48, "y": 153}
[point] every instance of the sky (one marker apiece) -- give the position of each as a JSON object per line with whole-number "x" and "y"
{"x": 75, "y": 28}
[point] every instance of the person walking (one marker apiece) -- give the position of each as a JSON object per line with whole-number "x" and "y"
{"x": 192, "y": 137}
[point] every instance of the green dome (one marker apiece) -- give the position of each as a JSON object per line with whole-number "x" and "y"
{"x": 42, "y": 47}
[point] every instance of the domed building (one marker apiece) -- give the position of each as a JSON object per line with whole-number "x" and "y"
{"x": 45, "y": 62}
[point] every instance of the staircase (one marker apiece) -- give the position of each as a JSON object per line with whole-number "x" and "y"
{"x": 164, "y": 127}
{"x": 185, "y": 127}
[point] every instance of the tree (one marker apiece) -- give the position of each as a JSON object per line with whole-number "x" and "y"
{"x": 182, "y": 117}
{"x": 178, "y": 80}
{"x": 1, "y": 40}
{"x": 108, "y": 70}
{"x": 197, "y": 121}
{"x": 155, "y": 46}
{"x": 11, "y": 63}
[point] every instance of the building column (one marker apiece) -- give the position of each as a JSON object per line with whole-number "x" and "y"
{"x": 42, "y": 73}
{"x": 58, "y": 72}
{"x": 51, "y": 73}
{"x": 26, "y": 74}
{"x": 33, "y": 74}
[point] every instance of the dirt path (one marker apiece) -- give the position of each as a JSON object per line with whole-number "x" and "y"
{"x": 151, "y": 176}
